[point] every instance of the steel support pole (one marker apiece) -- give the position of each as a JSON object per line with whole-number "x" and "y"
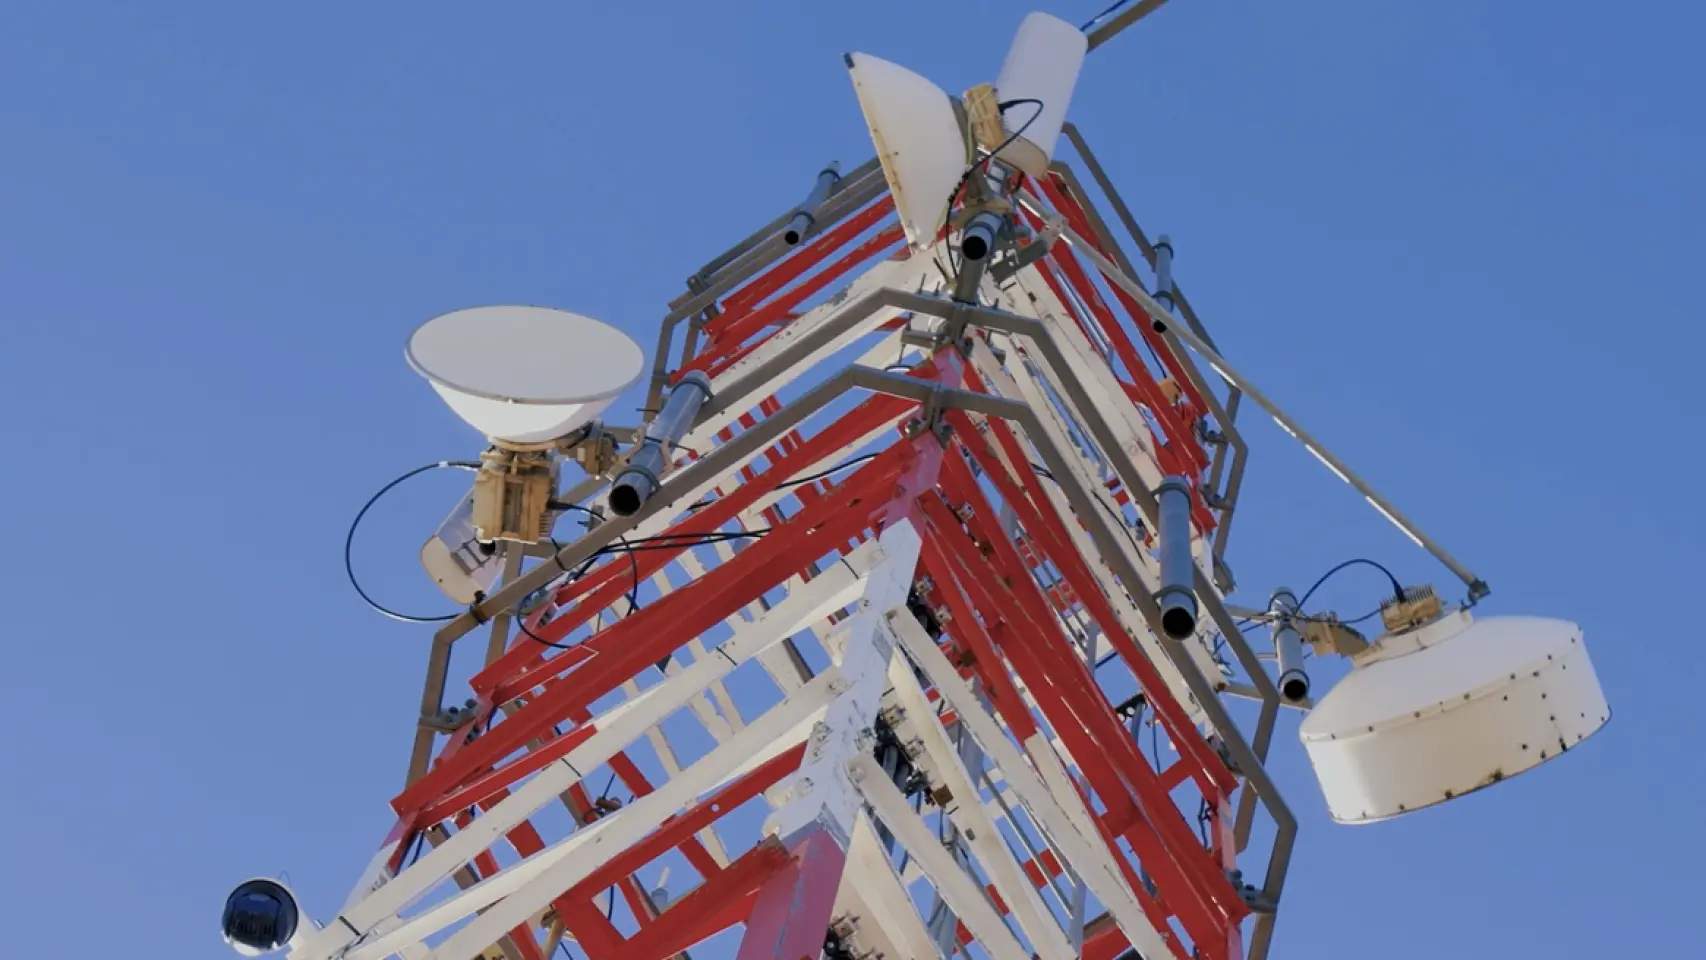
{"x": 1288, "y": 647}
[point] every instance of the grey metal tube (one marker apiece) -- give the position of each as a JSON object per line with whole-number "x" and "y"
{"x": 977, "y": 240}
{"x": 805, "y": 215}
{"x": 754, "y": 254}
{"x": 636, "y": 484}
{"x": 1177, "y": 600}
{"x": 1288, "y": 646}
{"x": 1164, "y": 271}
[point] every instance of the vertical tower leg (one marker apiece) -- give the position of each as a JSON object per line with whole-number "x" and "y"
{"x": 792, "y": 911}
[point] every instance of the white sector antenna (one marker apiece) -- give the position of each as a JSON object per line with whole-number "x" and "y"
{"x": 918, "y": 140}
{"x": 524, "y": 374}
{"x": 1445, "y": 709}
{"x": 1042, "y": 66}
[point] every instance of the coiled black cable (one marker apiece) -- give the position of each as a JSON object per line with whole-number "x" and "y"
{"x": 349, "y": 541}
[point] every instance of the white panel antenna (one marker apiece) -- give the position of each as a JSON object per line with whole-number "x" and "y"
{"x": 1042, "y": 66}
{"x": 919, "y": 142}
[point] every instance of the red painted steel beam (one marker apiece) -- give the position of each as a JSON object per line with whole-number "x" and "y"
{"x": 1112, "y": 788}
{"x": 1036, "y": 513}
{"x": 1087, "y": 732}
{"x": 713, "y": 906}
{"x": 790, "y": 918}
{"x": 639, "y": 641}
{"x": 868, "y": 416}
{"x": 1181, "y": 441}
{"x": 485, "y": 865}
{"x": 632, "y": 893}
{"x": 1182, "y": 452}
{"x": 719, "y": 356}
{"x": 1102, "y": 939}
{"x": 800, "y": 262}
{"x": 996, "y": 472}
{"x": 732, "y": 330}
{"x": 793, "y": 910}
{"x": 1003, "y": 694}
{"x": 1075, "y": 215}
{"x": 743, "y": 316}
{"x": 575, "y": 906}
{"x": 501, "y": 779}
{"x": 635, "y": 780}
{"x": 1072, "y": 678}
{"x": 679, "y": 828}
{"x": 589, "y": 926}
{"x": 523, "y": 666}
{"x": 524, "y": 838}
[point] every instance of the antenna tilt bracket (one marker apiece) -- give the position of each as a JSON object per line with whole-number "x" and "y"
{"x": 595, "y": 451}
{"x": 983, "y": 116}
{"x": 1328, "y": 635}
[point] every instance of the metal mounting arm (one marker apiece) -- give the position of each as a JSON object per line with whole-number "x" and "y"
{"x": 1162, "y": 323}
{"x": 1112, "y": 27}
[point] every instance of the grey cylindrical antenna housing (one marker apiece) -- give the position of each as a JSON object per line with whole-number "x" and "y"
{"x": 1288, "y": 646}
{"x": 1177, "y": 600}
{"x": 977, "y": 240}
{"x": 1164, "y": 271}
{"x": 805, "y": 215}
{"x": 636, "y": 484}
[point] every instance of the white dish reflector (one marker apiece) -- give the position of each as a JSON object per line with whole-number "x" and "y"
{"x": 918, "y": 139}
{"x": 524, "y": 374}
{"x": 1448, "y": 708}
{"x": 1043, "y": 65}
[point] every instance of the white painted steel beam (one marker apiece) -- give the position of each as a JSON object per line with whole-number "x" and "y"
{"x": 902, "y": 274}
{"x": 872, "y": 894}
{"x": 515, "y": 894}
{"x": 963, "y": 894}
{"x": 822, "y": 793}
{"x": 672, "y": 769}
{"x": 1025, "y": 387}
{"x": 1087, "y": 854}
{"x": 617, "y": 729}
{"x": 967, "y": 812}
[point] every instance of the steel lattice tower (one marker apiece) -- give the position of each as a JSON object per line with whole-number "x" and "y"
{"x": 877, "y": 659}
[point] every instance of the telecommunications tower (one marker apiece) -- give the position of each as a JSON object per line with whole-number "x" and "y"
{"x": 900, "y": 627}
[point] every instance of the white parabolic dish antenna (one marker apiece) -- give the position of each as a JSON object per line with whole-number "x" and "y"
{"x": 1448, "y": 708}
{"x": 524, "y": 374}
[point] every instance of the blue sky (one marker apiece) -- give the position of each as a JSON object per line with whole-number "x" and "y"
{"x": 1454, "y": 239}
